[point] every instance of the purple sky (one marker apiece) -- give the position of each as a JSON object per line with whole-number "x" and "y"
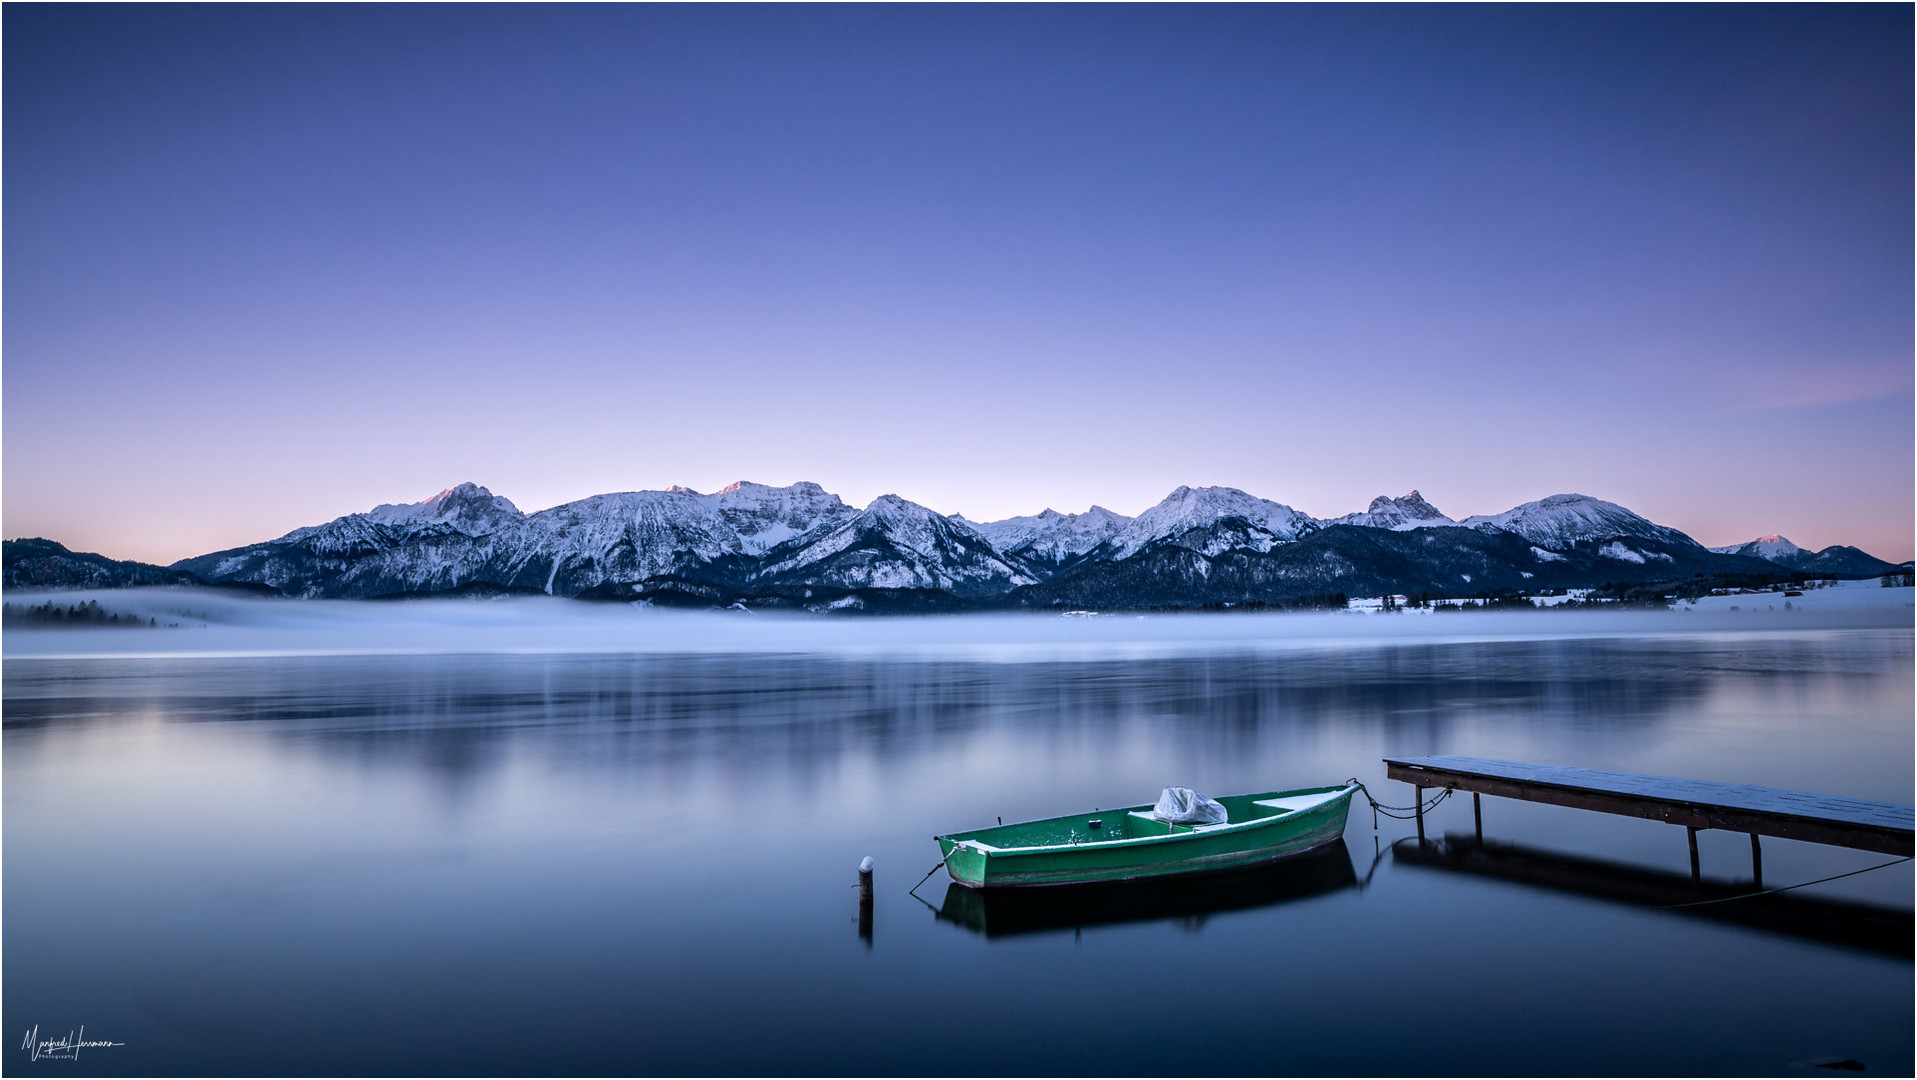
{"x": 269, "y": 265}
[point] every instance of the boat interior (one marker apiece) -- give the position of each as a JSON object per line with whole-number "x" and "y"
{"x": 1137, "y": 822}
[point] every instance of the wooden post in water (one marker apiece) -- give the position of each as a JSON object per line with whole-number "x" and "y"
{"x": 1418, "y": 808}
{"x": 865, "y": 901}
{"x": 1757, "y": 863}
{"x": 1697, "y": 873}
{"x": 1477, "y": 816}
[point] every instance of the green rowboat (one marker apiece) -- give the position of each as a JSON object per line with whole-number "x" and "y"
{"x": 1129, "y": 844}
{"x": 998, "y": 913}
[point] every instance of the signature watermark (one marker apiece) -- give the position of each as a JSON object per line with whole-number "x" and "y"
{"x": 64, "y": 1048}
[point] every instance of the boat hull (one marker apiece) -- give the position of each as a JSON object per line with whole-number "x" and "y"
{"x": 1003, "y": 857}
{"x": 998, "y": 913}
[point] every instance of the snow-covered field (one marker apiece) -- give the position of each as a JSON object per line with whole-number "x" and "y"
{"x": 1375, "y": 605}
{"x": 1839, "y": 596}
{"x": 220, "y": 623}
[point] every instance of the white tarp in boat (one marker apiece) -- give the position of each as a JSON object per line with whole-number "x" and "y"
{"x": 1187, "y": 807}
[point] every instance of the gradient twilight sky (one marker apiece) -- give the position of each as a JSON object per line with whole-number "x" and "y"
{"x": 268, "y": 265}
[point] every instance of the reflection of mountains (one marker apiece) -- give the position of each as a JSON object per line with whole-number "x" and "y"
{"x": 1003, "y": 912}
{"x": 1869, "y": 927}
{"x": 459, "y": 715}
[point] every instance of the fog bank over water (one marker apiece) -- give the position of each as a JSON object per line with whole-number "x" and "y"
{"x": 200, "y": 622}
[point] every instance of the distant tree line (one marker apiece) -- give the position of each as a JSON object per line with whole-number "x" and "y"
{"x": 1328, "y": 602}
{"x": 87, "y": 614}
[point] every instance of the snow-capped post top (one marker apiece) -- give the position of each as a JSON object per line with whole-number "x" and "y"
{"x": 865, "y": 865}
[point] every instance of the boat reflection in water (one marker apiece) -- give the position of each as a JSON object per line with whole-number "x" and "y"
{"x": 1187, "y": 898}
{"x": 1847, "y": 923}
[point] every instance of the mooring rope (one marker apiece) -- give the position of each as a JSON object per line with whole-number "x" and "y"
{"x": 1786, "y": 888}
{"x": 914, "y": 890}
{"x": 1401, "y": 813}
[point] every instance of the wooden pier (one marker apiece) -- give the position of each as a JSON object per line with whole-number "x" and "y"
{"x": 1694, "y": 804}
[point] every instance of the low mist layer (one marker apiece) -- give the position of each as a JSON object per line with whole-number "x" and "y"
{"x": 188, "y": 621}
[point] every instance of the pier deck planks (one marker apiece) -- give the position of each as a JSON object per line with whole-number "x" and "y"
{"x": 1697, "y": 804}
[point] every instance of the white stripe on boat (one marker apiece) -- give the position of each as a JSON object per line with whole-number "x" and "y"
{"x": 1300, "y": 802}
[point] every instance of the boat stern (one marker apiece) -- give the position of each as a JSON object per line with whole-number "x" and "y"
{"x": 965, "y": 860}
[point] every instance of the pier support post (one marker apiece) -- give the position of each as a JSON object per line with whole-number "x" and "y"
{"x": 1477, "y": 816}
{"x": 1417, "y": 803}
{"x": 1697, "y": 873}
{"x": 1757, "y": 863}
{"x": 865, "y": 901}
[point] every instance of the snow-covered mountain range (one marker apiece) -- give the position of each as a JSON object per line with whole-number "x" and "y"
{"x": 466, "y": 535}
{"x": 802, "y": 543}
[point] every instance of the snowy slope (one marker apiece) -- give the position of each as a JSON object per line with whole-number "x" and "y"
{"x": 1210, "y": 520}
{"x": 1773, "y": 547}
{"x": 765, "y": 517}
{"x": 639, "y": 534}
{"x": 1407, "y": 511}
{"x": 444, "y": 542}
{"x": 627, "y": 536}
{"x": 468, "y": 508}
{"x": 1050, "y": 539}
{"x": 1559, "y": 521}
{"x": 896, "y": 544}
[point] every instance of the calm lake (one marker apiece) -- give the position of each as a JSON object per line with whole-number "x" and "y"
{"x": 644, "y": 864}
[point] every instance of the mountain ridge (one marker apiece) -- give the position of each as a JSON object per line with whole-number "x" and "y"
{"x": 1836, "y": 559}
{"x": 1197, "y": 545}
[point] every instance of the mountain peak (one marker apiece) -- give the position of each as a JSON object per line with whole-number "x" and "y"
{"x": 459, "y": 493}
{"x": 1187, "y": 509}
{"x": 1407, "y": 511}
{"x": 1771, "y": 547}
{"x": 803, "y": 487}
{"x": 890, "y": 506}
{"x": 1556, "y": 521}
{"x": 766, "y": 516}
{"x": 461, "y": 501}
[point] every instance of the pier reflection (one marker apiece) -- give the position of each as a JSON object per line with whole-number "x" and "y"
{"x": 1868, "y": 927}
{"x": 1006, "y": 912}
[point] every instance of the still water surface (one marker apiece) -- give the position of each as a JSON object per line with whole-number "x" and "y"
{"x": 555, "y": 865}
